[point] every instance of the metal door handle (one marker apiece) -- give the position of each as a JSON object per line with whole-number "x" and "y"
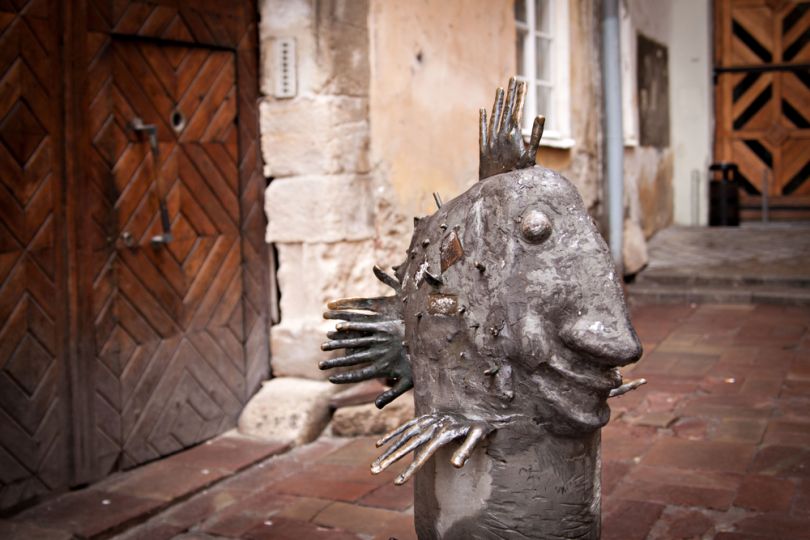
{"x": 151, "y": 130}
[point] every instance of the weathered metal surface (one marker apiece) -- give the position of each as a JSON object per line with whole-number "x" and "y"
{"x": 513, "y": 349}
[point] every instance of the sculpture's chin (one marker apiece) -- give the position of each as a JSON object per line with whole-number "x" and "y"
{"x": 571, "y": 423}
{"x": 569, "y": 408}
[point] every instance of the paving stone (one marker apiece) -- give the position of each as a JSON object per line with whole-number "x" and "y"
{"x": 359, "y": 519}
{"x": 631, "y": 520}
{"x": 29, "y": 531}
{"x": 774, "y": 525}
{"x": 292, "y": 529}
{"x": 680, "y": 523}
{"x": 741, "y": 430}
{"x": 230, "y": 452}
{"x": 390, "y": 497}
{"x": 153, "y": 530}
{"x": 251, "y": 512}
{"x": 621, "y": 442}
{"x": 164, "y": 480}
{"x": 659, "y": 419}
{"x": 613, "y": 472}
{"x": 303, "y": 508}
{"x": 765, "y": 494}
{"x": 694, "y": 429}
{"x": 788, "y": 433}
{"x": 702, "y": 455}
{"x": 728, "y": 407}
{"x": 782, "y": 461}
{"x": 801, "y": 503}
{"x": 202, "y": 506}
{"x": 90, "y": 513}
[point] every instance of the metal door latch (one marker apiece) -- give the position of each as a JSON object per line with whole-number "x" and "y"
{"x": 137, "y": 125}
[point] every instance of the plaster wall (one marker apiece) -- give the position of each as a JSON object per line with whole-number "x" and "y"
{"x": 433, "y": 65}
{"x": 692, "y": 110}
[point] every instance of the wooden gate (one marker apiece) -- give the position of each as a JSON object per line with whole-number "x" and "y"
{"x": 762, "y": 102}
{"x": 117, "y": 346}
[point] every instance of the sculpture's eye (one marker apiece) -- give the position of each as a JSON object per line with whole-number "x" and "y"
{"x": 535, "y": 226}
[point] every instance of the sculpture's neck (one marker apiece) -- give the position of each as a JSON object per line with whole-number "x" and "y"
{"x": 527, "y": 483}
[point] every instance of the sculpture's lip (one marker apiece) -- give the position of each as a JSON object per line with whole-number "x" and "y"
{"x": 593, "y": 377}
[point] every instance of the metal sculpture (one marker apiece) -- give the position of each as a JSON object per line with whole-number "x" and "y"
{"x": 509, "y": 321}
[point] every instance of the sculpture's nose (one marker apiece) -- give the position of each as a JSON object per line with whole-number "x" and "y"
{"x": 613, "y": 343}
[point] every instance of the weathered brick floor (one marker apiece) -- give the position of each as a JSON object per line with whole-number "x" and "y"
{"x": 717, "y": 445}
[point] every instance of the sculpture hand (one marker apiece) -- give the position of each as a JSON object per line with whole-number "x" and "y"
{"x": 501, "y": 145}
{"x": 373, "y": 341}
{"x": 426, "y": 434}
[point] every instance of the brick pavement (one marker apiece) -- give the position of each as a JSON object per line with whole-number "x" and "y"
{"x": 716, "y": 446}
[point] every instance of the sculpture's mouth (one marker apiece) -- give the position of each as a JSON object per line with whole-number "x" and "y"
{"x": 599, "y": 378}
{"x": 576, "y": 392}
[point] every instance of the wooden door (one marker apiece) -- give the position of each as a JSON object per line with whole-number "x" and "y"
{"x": 168, "y": 325}
{"x": 762, "y": 69}
{"x": 34, "y": 440}
{"x": 114, "y": 350}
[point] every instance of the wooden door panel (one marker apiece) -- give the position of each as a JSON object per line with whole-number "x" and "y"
{"x": 169, "y": 324}
{"x": 33, "y": 433}
{"x": 763, "y": 102}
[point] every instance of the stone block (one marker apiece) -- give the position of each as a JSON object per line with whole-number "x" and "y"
{"x": 314, "y": 135}
{"x": 634, "y": 248}
{"x": 310, "y": 275}
{"x": 288, "y": 409}
{"x": 297, "y": 350}
{"x": 314, "y": 209}
{"x": 343, "y": 46}
{"x": 369, "y": 420}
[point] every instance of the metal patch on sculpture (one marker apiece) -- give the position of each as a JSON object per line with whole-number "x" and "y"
{"x": 451, "y": 250}
{"x": 442, "y": 304}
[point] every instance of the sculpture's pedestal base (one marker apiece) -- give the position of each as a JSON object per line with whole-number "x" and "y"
{"x": 526, "y": 483}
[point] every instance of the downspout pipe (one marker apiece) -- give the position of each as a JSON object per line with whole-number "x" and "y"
{"x": 614, "y": 139}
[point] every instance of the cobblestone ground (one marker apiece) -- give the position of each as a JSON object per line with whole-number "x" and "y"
{"x": 716, "y": 446}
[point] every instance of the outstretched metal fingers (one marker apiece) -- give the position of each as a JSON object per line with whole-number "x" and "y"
{"x": 424, "y": 436}
{"x": 537, "y": 134}
{"x": 474, "y": 436}
{"x": 404, "y": 384}
{"x": 444, "y": 436}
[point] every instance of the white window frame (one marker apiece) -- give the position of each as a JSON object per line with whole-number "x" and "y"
{"x": 627, "y": 42}
{"x": 557, "y": 131}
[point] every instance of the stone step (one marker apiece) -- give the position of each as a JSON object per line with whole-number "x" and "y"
{"x": 725, "y": 281}
{"x": 651, "y": 293}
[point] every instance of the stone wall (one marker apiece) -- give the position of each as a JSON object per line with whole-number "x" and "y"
{"x": 319, "y": 202}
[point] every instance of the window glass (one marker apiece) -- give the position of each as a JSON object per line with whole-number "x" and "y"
{"x": 542, "y": 16}
{"x": 542, "y": 59}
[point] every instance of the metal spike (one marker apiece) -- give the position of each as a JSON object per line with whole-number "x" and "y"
{"x": 623, "y": 389}
{"x": 481, "y": 268}
{"x": 492, "y": 370}
{"x": 433, "y": 279}
{"x": 426, "y": 242}
{"x": 437, "y": 199}
{"x": 443, "y": 226}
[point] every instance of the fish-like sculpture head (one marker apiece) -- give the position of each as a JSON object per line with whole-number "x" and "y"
{"x": 512, "y": 306}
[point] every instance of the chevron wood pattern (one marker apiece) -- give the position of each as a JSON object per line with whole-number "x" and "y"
{"x": 763, "y": 106}
{"x": 33, "y": 434}
{"x": 168, "y": 321}
{"x": 167, "y": 342}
